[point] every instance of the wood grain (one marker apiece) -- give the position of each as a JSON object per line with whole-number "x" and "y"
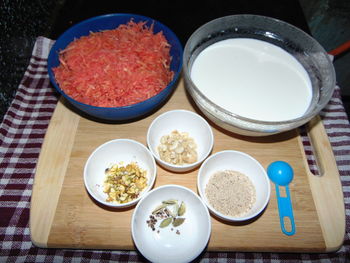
{"x": 50, "y": 172}
{"x": 329, "y": 203}
{"x": 79, "y": 222}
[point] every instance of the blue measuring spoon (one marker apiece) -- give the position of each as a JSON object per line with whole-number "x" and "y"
{"x": 281, "y": 174}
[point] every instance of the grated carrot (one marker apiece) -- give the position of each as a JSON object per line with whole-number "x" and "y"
{"x": 115, "y": 68}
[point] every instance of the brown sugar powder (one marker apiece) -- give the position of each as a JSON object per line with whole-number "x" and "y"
{"x": 231, "y": 193}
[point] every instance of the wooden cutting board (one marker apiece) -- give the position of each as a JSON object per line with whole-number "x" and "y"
{"x": 63, "y": 214}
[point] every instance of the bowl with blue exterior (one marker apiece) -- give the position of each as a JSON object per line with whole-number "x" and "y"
{"x": 110, "y": 22}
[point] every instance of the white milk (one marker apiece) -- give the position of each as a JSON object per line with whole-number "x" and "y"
{"x": 253, "y": 79}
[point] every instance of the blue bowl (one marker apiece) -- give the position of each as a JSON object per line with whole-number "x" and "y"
{"x": 107, "y": 22}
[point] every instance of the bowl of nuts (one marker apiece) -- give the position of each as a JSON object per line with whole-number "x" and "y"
{"x": 119, "y": 172}
{"x": 180, "y": 140}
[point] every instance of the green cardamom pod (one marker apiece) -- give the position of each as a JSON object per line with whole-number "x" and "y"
{"x": 178, "y": 221}
{"x": 170, "y": 202}
{"x": 182, "y": 209}
{"x": 166, "y": 222}
{"x": 158, "y": 208}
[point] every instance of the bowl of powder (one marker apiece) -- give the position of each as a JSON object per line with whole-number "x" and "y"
{"x": 233, "y": 185}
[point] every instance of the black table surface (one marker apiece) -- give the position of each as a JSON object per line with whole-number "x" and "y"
{"x": 22, "y": 21}
{"x": 183, "y": 17}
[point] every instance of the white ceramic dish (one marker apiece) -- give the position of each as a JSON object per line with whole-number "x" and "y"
{"x": 182, "y": 121}
{"x": 243, "y": 163}
{"x": 167, "y": 246}
{"x": 115, "y": 152}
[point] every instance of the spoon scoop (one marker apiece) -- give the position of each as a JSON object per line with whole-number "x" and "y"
{"x": 281, "y": 174}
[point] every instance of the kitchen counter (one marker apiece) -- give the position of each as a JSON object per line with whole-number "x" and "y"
{"x": 21, "y": 23}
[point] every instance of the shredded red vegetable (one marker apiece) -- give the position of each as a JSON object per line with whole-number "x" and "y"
{"x": 116, "y": 67}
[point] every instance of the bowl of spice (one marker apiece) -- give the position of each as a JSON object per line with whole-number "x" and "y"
{"x": 119, "y": 172}
{"x": 116, "y": 67}
{"x": 180, "y": 140}
{"x": 233, "y": 185}
{"x": 171, "y": 224}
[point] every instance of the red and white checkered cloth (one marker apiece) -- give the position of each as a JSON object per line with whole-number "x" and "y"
{"x": 21, "y": 135}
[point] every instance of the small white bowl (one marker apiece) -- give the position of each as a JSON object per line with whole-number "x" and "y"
{"x": 166, "y": 245}
{"x": 182, "y": 121}
{"x": 240, "y": 162}
{"x": 117, "y": 151}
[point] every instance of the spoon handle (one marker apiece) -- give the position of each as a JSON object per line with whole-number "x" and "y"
{"x": 285, "y": 210}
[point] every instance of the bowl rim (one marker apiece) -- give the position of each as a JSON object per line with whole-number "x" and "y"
{"x": 185, "y": 166}
{"x": 239, "y": 117}
{"x": 152, "y": 177}
{"x": 54, "y": 52}
{"x": 170, "y": 186}
{"x": 221, "y": 215}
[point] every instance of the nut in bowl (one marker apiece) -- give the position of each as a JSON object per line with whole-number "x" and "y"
{"x": 171, "y": 224}
{"x": 119, "y": 172}
{"x": 116, "y": 67}
{"x": 233, "y": 185}
{"x": 180, "y": 140}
